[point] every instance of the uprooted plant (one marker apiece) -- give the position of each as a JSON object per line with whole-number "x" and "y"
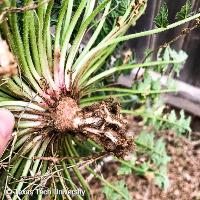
{"x": 60, "y": 98}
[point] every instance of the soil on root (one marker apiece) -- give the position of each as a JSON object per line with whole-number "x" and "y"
{"x": 100, "y": 122}
{"x": 184, "y": 173}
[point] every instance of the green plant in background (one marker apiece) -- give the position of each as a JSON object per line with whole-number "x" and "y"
{"x": 185, "y": 11}
{"x": 64, "y": 110}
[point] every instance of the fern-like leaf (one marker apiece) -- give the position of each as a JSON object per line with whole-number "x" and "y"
{"x": 185, "y": 11}
{"x": 111, "y": 194}
{"x": 161, "y": 20}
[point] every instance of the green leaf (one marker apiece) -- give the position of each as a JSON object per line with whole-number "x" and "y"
{"x": 185, "y": 11}
{"x": 180, "y": 56}
{"x": 156, "y": 159}
{"x": 146, "y": 140}
{"x": 144, "y": 168}
{"x": 118, "y": 8}
{"x": 182, "y": 124}
{"x": 125, "y": 169}
{"x": 156, "y": 151}
{"x": 161, "y": 20}
{"x": 155, "y": 148}
{"x": 162, "y": 180}
{"x": 167, "y": 54}
{"x": 149, "y": 86}
{"x": 162, "y": 158}
{"x": 168, "y": 121}
{"x": 111, "y": 194}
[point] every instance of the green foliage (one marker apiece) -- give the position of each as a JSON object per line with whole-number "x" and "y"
{"x": 147, "y": 84}
{"x": 112, "y": 194}
{"x": 179, "y": 125}
{"x": 118, "y": 8}
{"x": 161, "y": 20}
{"x": 155, "y": 148}
{"x": 185, "y": 11}
{"x": 162, "y": 180}
{"x": 157, "y": 159}
{"x": 126, "y": 169}
{"x": 167, "y": 54}
{"x": 168, "y": 121}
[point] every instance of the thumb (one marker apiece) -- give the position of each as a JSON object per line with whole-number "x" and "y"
{"x": 6, "y": 127}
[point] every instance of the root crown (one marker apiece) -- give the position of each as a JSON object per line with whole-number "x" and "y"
{"x": 65, "y": 113}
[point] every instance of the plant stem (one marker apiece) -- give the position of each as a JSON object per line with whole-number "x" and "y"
{"x": 46, "y": 72}
{"x": 94, "y": 36}
{"x": 59, "y": 76}
{"x": 21, "y": 53}
{"x": 43, "y": 171}
{"x": 154, "y": 31}
{"x": 77, "y": 41}
{"x": 33, "y": 43}
{"x": 26, "y": 28}
{"x": 75, "y": 168}
{"x": 107, "y": 183}
{"x": 136, "y": 169}
{"x": 92, "y": 67}
{"x": 150, "y": 116}
{"x": 67, "y": 21}
{"x": 59, "y": 25}
{"x": 28, "y": 124}
{"x": 24, "y": 105}
{"x": 131, "y": 91}
{"x": 27, "y": 146}
{"x": 40, "y": 153}
{"x": 47, "y": 33}
{"x": 57, "y": 46}
{"x": 130, "y": 66}
{"x": 90, "y": 100}
{"x": 66, "y": 172}
{"x": 26, "y": 168}
{"x": 62, "y": 183}
{"x": 69, "y": 178}
{"x": 100, "y": 177}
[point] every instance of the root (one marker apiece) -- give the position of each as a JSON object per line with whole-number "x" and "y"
{"x": 100, "y": 122}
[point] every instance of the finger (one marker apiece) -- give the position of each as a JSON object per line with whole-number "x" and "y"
{"x": 6, "y": 127}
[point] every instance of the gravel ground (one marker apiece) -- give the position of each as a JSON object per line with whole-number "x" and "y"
{"x": 184, "y": 173}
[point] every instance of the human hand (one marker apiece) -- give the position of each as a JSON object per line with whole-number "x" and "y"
{"x": 7, "y": 123}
